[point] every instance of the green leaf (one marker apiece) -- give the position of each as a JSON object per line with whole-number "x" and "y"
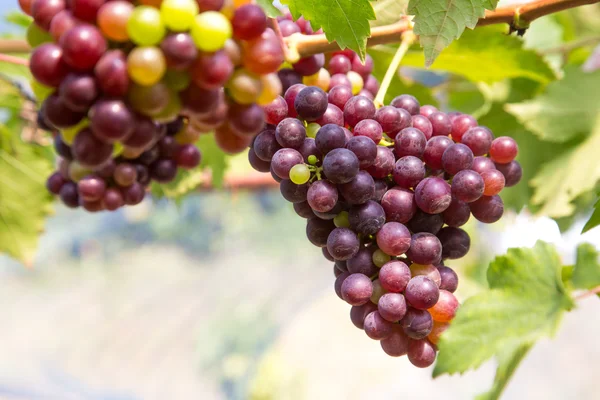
{"x": 525, "y": 302}
{"x": 488, "y": 55}
{"x": 543, "y": 34}
{"x": 566, "y": 110}
{"x": 567, "y": 176}
{"x": 18, "y": 18}
{"x": 508, "y": 362}
{"x": 269, "y": 8}
{"x": 343, "y": 21}
{"x": 213, "y": 158}
{"x": 389, "y": 11}
{"x": 594, "y": 220}
{"x": 438, "y": 23}
{"x": 586, "y": 274}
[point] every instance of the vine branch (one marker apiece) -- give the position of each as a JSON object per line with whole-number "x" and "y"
{"x": 588, "y": 293}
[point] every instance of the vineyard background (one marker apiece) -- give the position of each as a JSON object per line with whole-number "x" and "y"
{"x": 115, "y": 303}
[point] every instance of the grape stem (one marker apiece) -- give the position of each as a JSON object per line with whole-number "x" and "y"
{"x": 589, "y": 293}
{"x": 290, "y": 53}
{"x": 408, "y": 38}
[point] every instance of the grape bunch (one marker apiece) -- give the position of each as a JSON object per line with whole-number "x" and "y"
{"x": 341, "y": 68}
{"x": 128, "y": 89}
{"x": 385, "y": 192}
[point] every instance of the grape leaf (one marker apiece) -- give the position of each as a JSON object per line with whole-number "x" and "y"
{"x": 594, "y": 220}
{"x": 525, "y": 302}
{"x": 18, "y": 18}
{"x": 388, "y": 11}
{"x": 343, "y": 21}
{"x": 438, "y": 23}
{"x": 488, "y": 55}
{"x": 508, "y": 361}
{"x": 269, "y": 8}
{"x": 567, "y": 109}
{"x": 586, "y": 274}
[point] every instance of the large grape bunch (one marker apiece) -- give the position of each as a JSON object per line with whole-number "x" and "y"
{"x": 385, "y": 192}
{"x": 128, "y": 89}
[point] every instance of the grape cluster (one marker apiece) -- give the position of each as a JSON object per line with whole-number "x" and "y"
{"x": 385, "y": 192}
{"x": 128, "y": 89}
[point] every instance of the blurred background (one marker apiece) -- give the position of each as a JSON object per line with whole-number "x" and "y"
{"x": 220, "y": 296}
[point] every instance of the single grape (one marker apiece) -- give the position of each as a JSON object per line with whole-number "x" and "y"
{"x": 292, "y": 192}
{"x": 318, "y": 230}
{"x": 394, "y": 276}
{"x": 423, "y": 222}
{"x": 393, "y": 238}
{"x": 58, "y": 114}
{"x": 417, "y": 324}
{"x": 111, "y": 120}
{"x": 339, "y": 64}
{"x": 433, "y": 195}
{"x": 427, "y": 110}
{"x": 395, "y": 345}
{"x": 468, "y": 186}
{"x": 290, "y": 98}
{"x": 113, "y": 199}
{"x": 232, "y": 143}
{"x": 330, "y": 137}
{"x": 421, "y": 292}
{"x": 482, "y": 164}
{"x": 364, "y": 149}
{"x": 455, "y": 242}
{"x": 322, "y": 195}
{"x": 311, "y": 103}
{"x": 384, "y": 163}
{"x": 445, "y": 309}
{"x": 512, "y": 172}
{"x": 494, "y": 182}
{"x": 145, "y": 26}
{"x": 61, "y": 23}
{"x": 503, "y": 150}
{"x": 399, "y": 205}
{"x": 380, "y": 258}
{"x": 456, "y": 158}
{"x": 457, "y": 214}
{"x": 369, "y": 128}
{"x": 358, "y": 314}
{"x": 68, "y": 195}
{"x": 393, "y": 120}
{"x": 47, "y": 65}
{"x": 460, "y": 125}
{"x": 408, "y": 103}
{"x": 134, "y": 194}
{"x": 332, "y": 115}
{"x": 299, "y": 174}
{"x": 188, "y": 156}
{"x": 341, "y": 221}
{"x": 357, "y": 109}
{"x": 91, "y": 188}
{"x": 340, "y": 165}
{"x": 376, "y": 327}
{"x": 449, "y": 279}
{"x": 111, "y": 73}
{"x": 479, "y": 140}
{"x": 258, "y": 164}
{"x": 367, "y": 218}
{"x": 423, "y": 124}
{"x": 86, "y": 10}
{"x": 362, "y": 262}
{"x": 112, "y": 19}
{"x": 409, "y": 171}
{"x": 392, "y": 307}
{"x": 211, "y": 71}
{"x": 266, "y": 145}
{"x": 276, "y": 111}
{"x": 488, "y": 209}
{"x": 372, "y": 84}
{"x": 339, "y": 96}
{"x": 440, "y": 123}
{"x": 421, "y": 353}
{"x": 146, "y": 65}
{"x": 356, "y": 289}
{"x": 343, "y": 244}
{"x": 434, "y": 150}
{"x": 55, "y": 182}
{"x": 425, "y": 248}
{"x": 310, "y": 65}
{"x": 309, "y": 151}
{"x": 78, "y": 91}
{"x": 144, "y": 134}
{"x": 179, "y": 50}
{"x": 89, "y": 150}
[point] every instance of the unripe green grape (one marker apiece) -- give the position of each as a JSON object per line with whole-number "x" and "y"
{"x": 299, "y": 174}
{"x": 357, "y": 82}
{"x": 68, "y": 134}
{"x": 77, "y": 171}
{"x": 117, "y": 150}
{"x": 145, "y": 26}
{"x": 211, "y": 30}
{"x": 177, "y": 80}
{"x": 40, "y": 90}
{"x": 146, "y": 65}
{"x": 341, "y": 220}
{"x": 37, "y": 36}
{"x": 171, "y": 112}
{"x": 312, "y": 129}
{"x": 312, "y": 159}
{"x": 178, "y": 15}
{"x": 380, "y": 258}
{"x": 244, "y": 87}
{"x": 378, "y": 291}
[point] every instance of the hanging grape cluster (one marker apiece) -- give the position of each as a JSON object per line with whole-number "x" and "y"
{"x": 385, "y": 192}
{"x": 128, "y": 89}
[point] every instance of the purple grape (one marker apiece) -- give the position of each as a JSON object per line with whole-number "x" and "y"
{"x": 421, "y": 353}
{"x": 340, "y": 165}
{"x": 417, "y": 324}
{"x": 394, "y": 276}
{"x": 256, "y": 163}
{"x": 111, "y": 120}
{"x": 449, "y": 279}
{"x": 394, "y": 238}
{"x": 133, "y": 194}
{"x": 433, "y": 195}
{"x": 179, "y": 50}
{"x": 455, "y": 242}
{"x": 310, "y": 65}
{"x": 339, "y": 96}
{"x": 367, "y": 218}
{"x": 292, "y": 192}
{"x": 410, "y": 142}
{"x": 384, "y": 163}
{"x": 276, "y": 111}
{"x": 163, "y": 171}
{"x": 482, "y": 164}
{"x": 339, "y": 281}
{"x": 381, "y": 187}
{"x": 479, "y": 140}
{"x": 369, "y": 128}
{"x": 440, "y": 124}
{"x": 423, "y": 222}
{"x": 395, "y": 345}
{"x": 462, "y": 124}
{"x": 357, "y": 109}
{"x": 333, "y": 115}
{"x": 362, "y": 263}
{"x": 408, "y": 103}
{"x": 288, "y": 78}
{"x": 113, "y": 199}
{"x": 339, "y": 64}
{"x": 343, "y": 244}
{"x": 399, "y": 205}
{"x": 425, "y": 248}
{"x": 467, "y": 186}
{"x": 330, "y": 137}
{"x": 456, "y": 158}
{"x": 322, "y": 196}
{"x": 371, "y": 84}
{"x": 283, "y": 160}
{"x": 318, "y": 230}
{"x": 358, "y": 313}
{"x": 303, "y": 210}
{"x": 57, "y": 114}
{"x": 91, "y": 188}
{"x": 331, "y": 214}
{"x": 266, "y": 145}
{"x": 309, "y": 148}
{"x": 423, "y": 124}
{"x": 392, "y": 307}
{"x": 421, "y": 292}
{"x": 365, "y": 150}
{"x": 311, "y": 103}
{"x": 55, "y": 182}
{"x": 78, "y": 91}
{"x": 360, "y": 189}
{"x": 340, "y": 80}
{"x": 376, "y": 327}
{"x": 512, "y": 172}
{"x": 409, "y": 171}
{"x": 393, "y": 120}
{"x": 290, "y": 133}
{"x": 69, "y": 195}
{"x": 434, "y": 150}
{"x": 90, "y": 151}
{"x": 488, "y": 209}
{"x": 457, "y": 214}
{"x": 356, "y": 289}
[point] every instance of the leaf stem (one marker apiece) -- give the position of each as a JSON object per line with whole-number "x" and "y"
{"x": 408, "y": 39}
{"x": 587, "y": 294}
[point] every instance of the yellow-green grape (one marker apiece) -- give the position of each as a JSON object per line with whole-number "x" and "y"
{"x": 378, "y": 291}
{"x": 145, "y": 26}
{"x": 77, "y": 171}
{"x": 130, "y": 153}
{"x": 286, "y": 65}
{"x": 312, "y": 159}
{"x": 357, "y": 82}
{"x": 178, "y": 15}
{"x": 299, "y": 174}
{"x": 380, "y": 258}
{"x": 341, "y": 220}
{"x": 189, "y": 135}
{"x": 37, "y": 36}
{"x": 177, "y": 80}
{"x": 321, "y": 79}
{"x": 244, "y": 87}
{"x": 312, "y": 129}
{"x": 211, "y": 30}
{"x": 149, "y": 100}
{"x": 40, "y": 91}
{"x": 171, "y": 112}
{"x": 271, "y": 88}
{"x": 146, "y": 65}
{"x": 117, "y": 149}
{"x": 68, "y": 134}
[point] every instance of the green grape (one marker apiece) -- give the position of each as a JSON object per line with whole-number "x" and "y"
{"x": 380, "y": 258}
{"x": 117, "y": 149}
{"x": 244, "y": 87}
{"x": 40, "y": 91}
{"x": 312, "y": 129}
{"x": 341, "y": 220}
{"x": 300, "y": 174}
{"x": 68, "y": 134}
{"x": 77, "y": 171}
{"x": 357, "y": 82}
{"x": 37, "y": 36}
{"x": 378, "y": 291}
{"x": 145, "y": 26}
{"x": 178, "y": 15}
{"x": 312, "y": 159}
{"x": 177, "y": 80}
{"x": 211, "y": 30}
{"x": 146, "y": 65}
{"x": 171, "y": 112}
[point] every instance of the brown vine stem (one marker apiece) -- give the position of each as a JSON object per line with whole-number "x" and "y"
{"x": 13, "y": 60}
{"x": 589, "y": 293}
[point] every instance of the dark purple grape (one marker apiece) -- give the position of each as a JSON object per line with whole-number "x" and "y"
{"x": 358, "y": 313}
{"x": 362, "y": 263}
{"x": 290, "y": 133}
{"x": 309, "y": 148}
{"x": 488, "y": 209}
{"x": 311, "y": 103}
{"x": 339, "y": 281}
{"x": 369, "y": 128}
{"x": 394, "y": 238}
{"x": 357, "y": 109}
{"x": 343, "y": 244}
{"x": 266, "y": 145}
{"x": 376, "y": 327}
{"x": 318, "y": 230}
{"x": 482, "y": 164}
{"x": 421, "y": 353}
{"x": 145, "y": 133}
{"x": 111, "y": 73}
{"x": 457, "y": 214}
{"x": 457, "y": 157}
{"x": 512, "y": 172}
{"x": 365, "y": 150}
{"x": 322, "y": 196}
{"x": 303, "y": 210}
{"x": 55, "y": 182}
{"x": 292, "y": 192}
{"x": 179, "y": 51}
{"x": 395, "y": 345}
{"x": 433, "y": 195}
{"x": 399, "y": 205}
{"x": 425, "y": 248}
{"x": 91, "y": 188}
{"x": 333, "y": 115}
{"x": 89, "y": 150}
{"x": 149, "y": 156}
{"x": 58, "y": 114}
{"x": 111, "y": 120}
{"x": 410, "y": 142}
{"x": 113, "y": 199}
{"x": 62, "y": 149}
{"x": 479, "y": 140}
{"x": 339, "y": 96}
{"x": 384, "y": 163}
{"x": 421, "y": 292}
{"x": 467, "y": 186}
{"x": 367, "y": 218}
{"x": 423, "y": 222}
{"x": 360, "y": 189}
{"x": 408, "y": 103}
{"x": 329, "y": 257}
{"x": 417, "y": 324}
{"x": 133, "y": 194}
{"x": 143, "y": 174}
{"x": 356, "y": 289}
{"x": 283, "y": 160}
{"x": 310, "y": 65}
{"x": 392, "y": 307}
{"x": 423, "y": 124}
{"x": 340, "y": 166}
{"x": 455, "y": 242}
{"x": 449, "y": 279}
{"x": 341, "y": 265}
{"x": 330, "y": 137}
{"x": 78, "y": 91}
{"x": 163, "y": 171}
{"x": 440, "y": 124}
{"x": 289, "y": 78}
{"x": 69, "y": 195}
{"x": 434, "y": 150}
{"x": 246, "y": 120}
{"x": 381, "y": 187}
{"x": 409, "y": 171}
{"x": 393, "y": 120}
